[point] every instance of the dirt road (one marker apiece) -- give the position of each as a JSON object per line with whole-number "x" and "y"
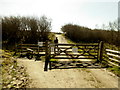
{"x": 67, "y": 78}
{"x": 61, "y": 39}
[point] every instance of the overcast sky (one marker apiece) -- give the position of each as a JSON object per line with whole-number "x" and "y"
{"x": 82, "y": 12}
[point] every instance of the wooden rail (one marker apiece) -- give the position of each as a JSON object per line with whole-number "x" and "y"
{"x": 31, "y": 49}
{"x": 113, "y": 57}
{"x": 83, "y": 50}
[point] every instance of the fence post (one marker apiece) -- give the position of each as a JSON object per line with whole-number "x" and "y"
{"x": 100, "y": 51}
{"x": 46, "y": 56}
{"x": 21, "y": 50}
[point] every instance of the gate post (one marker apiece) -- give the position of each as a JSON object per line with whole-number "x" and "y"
{"x": 100, "y": 51}
{"x": 46, "y": 56}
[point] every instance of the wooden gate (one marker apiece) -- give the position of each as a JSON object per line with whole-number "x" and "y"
{"x": 30, "y": 50}
{"x": 82, "y": 52}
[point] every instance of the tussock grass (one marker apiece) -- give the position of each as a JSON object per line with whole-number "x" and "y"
{"x": 115, "y": 70}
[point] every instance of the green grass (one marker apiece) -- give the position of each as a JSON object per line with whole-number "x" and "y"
{"x": 68, "y": 40}
{"x": 43, "y": 59}
{"x": 10, "y": 70}
{"x": 51, "y": 37}
{"x": 53, "y": 59}
{"x": 115, "y": 70}
{"x": 106, "y": 45}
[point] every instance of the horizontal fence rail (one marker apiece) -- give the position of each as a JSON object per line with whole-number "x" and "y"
{"x": 113, "y": 57}
{"x": 90, "y": 50}
{"x": 33, "y": 49}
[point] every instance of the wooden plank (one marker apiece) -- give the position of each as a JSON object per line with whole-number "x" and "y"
{"x": 25, "y": 50}
{"x": 113, "y": 64}
{"x": 68, "y": 51}
{"x": 72, "y": 54}
{"x": 114, "y": 51}
{"x": 29, "y": 49}
{"x": 71, "y": 58}
{"x": 31, "y": 44}
{"x": 78, "y": 44}
{"x": 76, "y": 61}
{"x": 114, "y": 60}
{"x": 113, "y": 55}
{"x": 34, "y": 48}
{"x": 27, "y": 45}
{"x": 89, "y": 48}
{"x": 78, "y": 48}
{"x": 64, "y": 47}
{"x": 33, "y": 51}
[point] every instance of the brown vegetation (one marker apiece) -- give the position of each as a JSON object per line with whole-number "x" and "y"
{"x": 83, "y": 34}
{"x": 24, "y": 30}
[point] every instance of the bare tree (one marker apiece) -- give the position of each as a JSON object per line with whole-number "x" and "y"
{"x": 44, "y": 27}
{"x": 24, "y": 29}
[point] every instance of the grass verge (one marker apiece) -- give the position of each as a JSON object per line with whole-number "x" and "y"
{"x": 13, "y": 75}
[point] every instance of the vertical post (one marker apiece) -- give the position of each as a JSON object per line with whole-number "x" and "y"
{"x": 100, "y": 51}
{"x": 49, "y": 56}
{"x": 46, "y": 56}
{"x": 15, "y": 49}
{"x": 38, "y": 50}
{"x": 50, "y": 67}
{"x": 21, "y": 50}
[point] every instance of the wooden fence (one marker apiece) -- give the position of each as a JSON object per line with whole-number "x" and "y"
{"x": 112, "y": 57}
{"x": 30, "y": 50}
{"x": 94, "y": 51}
{"x": 34, "y": 47}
